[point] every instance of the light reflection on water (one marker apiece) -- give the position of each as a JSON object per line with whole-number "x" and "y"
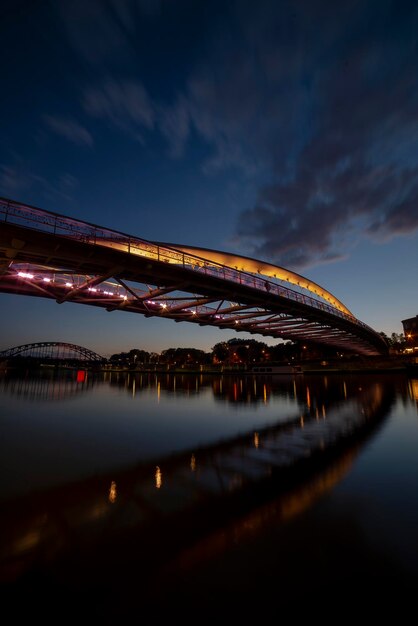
{"x": 56, "y": 428}
{"x": 353, "y": 515}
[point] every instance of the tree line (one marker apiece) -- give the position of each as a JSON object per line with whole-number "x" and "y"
{"x": 240, "y": 352}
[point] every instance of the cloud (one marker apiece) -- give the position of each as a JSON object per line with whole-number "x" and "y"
{"x": 18, "y": 179}
{"x": 232, "y": 111}
{"x": 12, "y": 180}
{"x": 355, "y": 171}
{"x": 69, "y": 129}
{"x": 220, "y": 100}
{"x": 313, "y": 104}
{"x": 104, "y": 32}
{"x": 68, "y": 181}
{"x": 402, "y": 217}
{"x": 175, "y": 123}
{"x": 125, "y": 103}
{"x": 94, "y": 30}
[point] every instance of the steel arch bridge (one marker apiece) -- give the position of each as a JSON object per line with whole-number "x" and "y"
{"x": 54, "y": 350}
{"x": 53, "y": 256}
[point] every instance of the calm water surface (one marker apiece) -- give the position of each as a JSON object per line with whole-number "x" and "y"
{"x": 346, "y": 531}
{"x": 55, "y": 429}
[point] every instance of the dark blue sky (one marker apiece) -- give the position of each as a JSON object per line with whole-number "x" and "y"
{"x": 287, "y": 131}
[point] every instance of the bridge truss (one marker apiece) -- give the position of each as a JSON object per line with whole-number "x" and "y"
{"x": 49, "y": 255}
{"x": 53, "y": 350}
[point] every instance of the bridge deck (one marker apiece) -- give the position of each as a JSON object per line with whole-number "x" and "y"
{"x": 52, "y": 256}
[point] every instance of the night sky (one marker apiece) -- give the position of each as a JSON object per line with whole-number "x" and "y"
{"x": 286, "y": 131}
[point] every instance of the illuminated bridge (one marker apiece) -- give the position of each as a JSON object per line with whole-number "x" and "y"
{"x": 49, "y": 255}
{"x": 53, "y": 350}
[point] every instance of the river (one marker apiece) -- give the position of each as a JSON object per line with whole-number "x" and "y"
{"x": 143, "y": 498}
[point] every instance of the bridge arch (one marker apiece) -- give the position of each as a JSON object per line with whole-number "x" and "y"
{"x": 54, "y": 350}
{"x": 48, "y": 255}
{"x": 255, "y": 266}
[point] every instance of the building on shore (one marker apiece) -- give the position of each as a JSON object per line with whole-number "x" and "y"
{"x": 410, "y": 328}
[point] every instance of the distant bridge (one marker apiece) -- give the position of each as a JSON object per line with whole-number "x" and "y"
{"x": 49, "y": 255}
{"x": 53, "y": 350}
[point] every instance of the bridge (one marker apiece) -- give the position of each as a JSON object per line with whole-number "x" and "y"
{"x": 53, "y": 350}
{"x": 53, "y": 256}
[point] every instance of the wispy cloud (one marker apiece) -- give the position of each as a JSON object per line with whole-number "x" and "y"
{"x": 18, "y": 179}
{"x": 174, "y": 123}
{"x": 96, "y": 31}
{"x": 102, "y": 32}
{"x": 315, "y": 104}
{"x": 125, "y": 103}
{"x": 354, "y": 174}
{"x": 69, "y": 129}
{"x": 12, "y": 180}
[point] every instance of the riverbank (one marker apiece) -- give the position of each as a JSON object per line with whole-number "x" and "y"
{"x": 390, "y": 364}
{"x": 360, "y": 364}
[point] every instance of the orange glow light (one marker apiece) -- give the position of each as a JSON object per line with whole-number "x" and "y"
{"x": 158, "y": 478}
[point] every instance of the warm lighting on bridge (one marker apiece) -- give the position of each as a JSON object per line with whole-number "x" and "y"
{"x": 214, "y": 263}
{"x": 112, "y": 492}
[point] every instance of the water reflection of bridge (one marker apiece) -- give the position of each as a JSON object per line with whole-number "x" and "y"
{"x": 107, "y": 527}
{"x": 234, "y": 388}
{"x": 47, "y": 385}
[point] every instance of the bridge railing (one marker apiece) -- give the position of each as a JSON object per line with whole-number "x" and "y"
{"x": 45, "y": 221}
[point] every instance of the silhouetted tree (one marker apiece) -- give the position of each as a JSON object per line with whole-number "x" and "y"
{"x": 220, "y": 351}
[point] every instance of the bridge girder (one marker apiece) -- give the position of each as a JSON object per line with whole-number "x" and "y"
{"x": 48, "y": 346}
{"x": 52, "y": 256}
